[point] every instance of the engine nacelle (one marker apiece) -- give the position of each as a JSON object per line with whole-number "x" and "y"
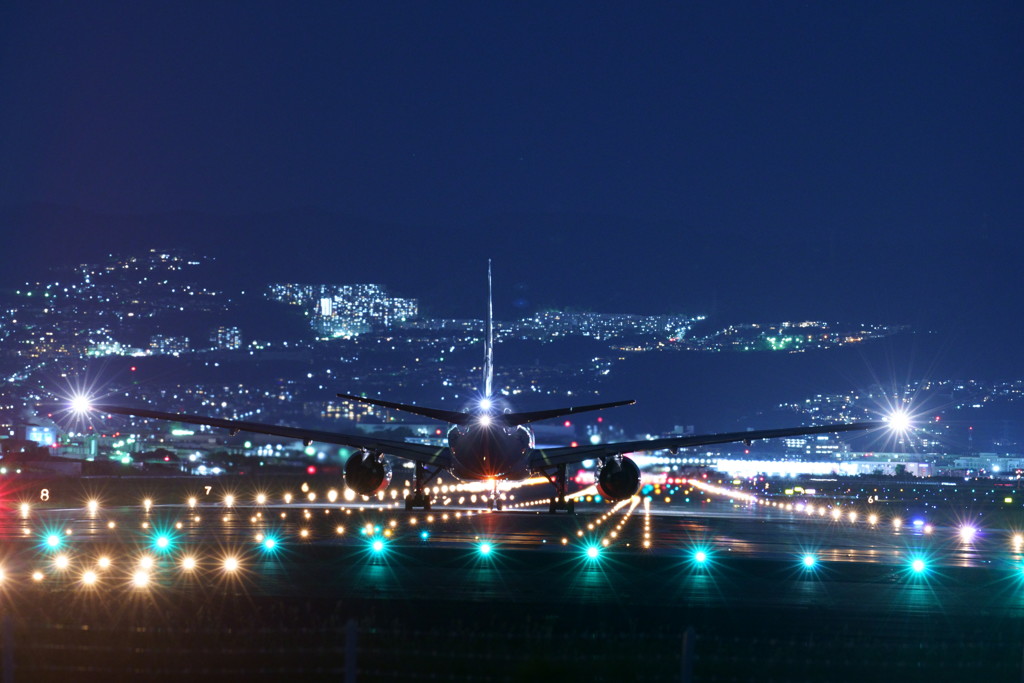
{"x": 618, "y": 478}
{"x": 367, "y": 473}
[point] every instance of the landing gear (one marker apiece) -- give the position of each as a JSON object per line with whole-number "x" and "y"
{"x": 419, "y": 498}
{"x": 558, "y": 501}
{"x": 496, "y": 501}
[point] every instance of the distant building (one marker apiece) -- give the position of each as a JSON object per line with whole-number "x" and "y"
{"x": 226, "y": 338}
{"x": 169, "y": 345}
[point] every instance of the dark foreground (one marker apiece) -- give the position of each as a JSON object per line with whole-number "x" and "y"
{"x": 435, "y": 615}
{"x": 429, "y": 606}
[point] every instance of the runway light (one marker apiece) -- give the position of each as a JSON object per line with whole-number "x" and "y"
{"x": 147, "y": 504}
{"x": 188, "y": 563}
{"x": 93, "y": 506}
{"x": 61, "y": 562}
{"x": 967, "y": 533}
{"x": 37, "y": 575}
{"x": 24, "y": 509}
{"x": 192, "y": 502}
{"x": 89, "y": 578}
{"x": 261, "y": 499}
{"x": 897, "y": 523}
{"x": 229, "y": 500}
{"x": 103, "y": 562}
{"x": 230, "y": 564}
{"x": 140, "y": 579}
{"x": 146, "y": 561}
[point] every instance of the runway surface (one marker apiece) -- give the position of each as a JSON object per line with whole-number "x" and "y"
{"x": 518, "y": 594}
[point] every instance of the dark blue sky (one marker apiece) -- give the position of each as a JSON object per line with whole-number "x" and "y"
{"x": 856, "y": 160}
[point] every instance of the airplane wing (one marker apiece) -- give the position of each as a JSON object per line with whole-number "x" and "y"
{"x": 428, "y": 455}
{"x": 542, "y": 458}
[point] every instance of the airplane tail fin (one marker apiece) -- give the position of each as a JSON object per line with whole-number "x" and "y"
{"x": 489, "y": 338}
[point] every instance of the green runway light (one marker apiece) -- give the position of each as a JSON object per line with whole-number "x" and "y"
{"x": 378, "y": 546}
{"x": 809, "y": 561}
{"x": 485, "y": 549}
{"x": 593, "y": 552}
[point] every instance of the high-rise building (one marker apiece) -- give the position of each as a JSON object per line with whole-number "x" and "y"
{"x": 226, "y": 338}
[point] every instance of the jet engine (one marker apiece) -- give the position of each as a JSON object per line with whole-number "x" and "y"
{"x": 618, "y": 478}
{"x": 367, "y": 473}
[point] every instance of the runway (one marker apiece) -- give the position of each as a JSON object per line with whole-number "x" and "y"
{"x": 274, "y": 543}
{"x": 613, "y": 587}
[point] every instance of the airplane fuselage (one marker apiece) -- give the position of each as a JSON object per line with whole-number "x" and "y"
{"x": 490, "y": 452}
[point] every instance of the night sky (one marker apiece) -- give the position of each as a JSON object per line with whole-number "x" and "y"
{"x": 753, "y": 161}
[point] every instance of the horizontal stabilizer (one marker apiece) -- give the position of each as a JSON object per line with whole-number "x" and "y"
{"x": 450, "y": 416}
{"x": 523, "y": 418}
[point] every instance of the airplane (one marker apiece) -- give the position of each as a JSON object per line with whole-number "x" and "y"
{"x": 487, "y": 442}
